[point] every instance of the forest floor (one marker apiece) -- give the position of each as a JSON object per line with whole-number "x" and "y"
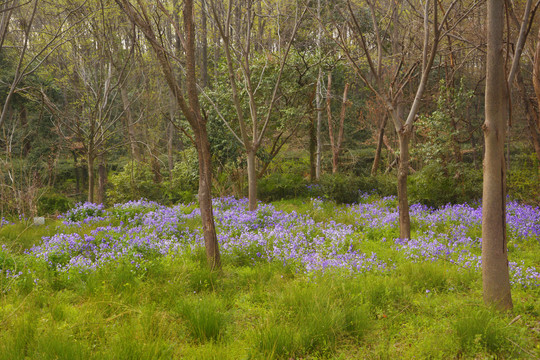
{"x": 303, "y": 278}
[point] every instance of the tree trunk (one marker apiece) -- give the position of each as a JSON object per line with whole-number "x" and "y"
{"x": 102, "y": 180}
{"x": 77, "y": 172}
{"x": 318, "y": 100}
{"x": 90, "y": 177}
{"x": 213, "y": 257}
{"x": 252, "y": 180}
{"x": 380, "y": 139}
{"x": 495, "y": 275}
{"x": 170, "y": 148}
{"x": 403, "y": 171}
{"x": 312, "y": 150}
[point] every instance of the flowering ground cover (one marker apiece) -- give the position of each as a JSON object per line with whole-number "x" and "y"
{"x": 301, "y": 278}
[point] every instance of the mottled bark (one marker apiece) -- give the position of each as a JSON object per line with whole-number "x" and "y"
{"x": 495, "y": 275}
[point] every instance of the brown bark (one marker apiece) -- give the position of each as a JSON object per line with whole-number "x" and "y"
{"x": 91, "y": 184}
{"x": 380, "y": 138}
{"x": 404, "y": 136}
{"x": 102, "y": 180}
{"x": 495, "y": 275}
{"x": 312, "y": 150}
{"x": 252, "y": 179}
{"x": 536, "y": 72}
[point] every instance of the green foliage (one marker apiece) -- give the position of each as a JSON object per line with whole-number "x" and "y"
{"x": 134, "y": 182}
{"x": 445, "y": 178}
{"x": 346, "y": 189}
{"x": 436, "y": 185}
{"x": 52, "y": 202}
{"x": 482, "y": 330}
{"x": 279, "y": 186}
{"x": 523, "y": 179}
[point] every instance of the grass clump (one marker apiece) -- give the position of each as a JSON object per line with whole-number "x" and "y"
{"x": 205, "y": 318}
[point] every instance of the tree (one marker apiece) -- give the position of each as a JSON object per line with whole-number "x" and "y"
{"x": 495, "y": 275}
{"x": 190, "y": 107}
{"x": 388, "y": 82}
{"x": 238, "y": 42}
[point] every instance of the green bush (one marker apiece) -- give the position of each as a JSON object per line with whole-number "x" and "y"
{"x": 279, "y": 186}
{"x": 436, "y": 185}
{"x": 52, "y": 202}
{"x": 185, "y": 174}
{"x": 346, "y": 189}
{"x": 134, "y": 182}
{"x": 523, "y": 180}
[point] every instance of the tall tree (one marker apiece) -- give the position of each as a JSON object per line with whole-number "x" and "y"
{"x": 495, "y": 275}
{"x": 190, "y": 107}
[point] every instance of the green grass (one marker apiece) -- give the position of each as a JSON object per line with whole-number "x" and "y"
{"x": 180, "y": 310}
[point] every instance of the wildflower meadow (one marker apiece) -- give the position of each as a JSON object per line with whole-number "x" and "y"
{"x": 303, "y": 278}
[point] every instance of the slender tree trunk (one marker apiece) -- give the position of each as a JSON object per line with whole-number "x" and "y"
{"x": 380, "y": 138}
{"x": 170, "y": 149}
{"x": 90, "y": 177}
{"x": 252, "y": 179}
{"x": 404, "y": 137}
{"x": 312, "y": 150}
{"x": 495, "y": 275}
{"x": 77, "y": 172}
{"x": 102, "y": 180}
{"x": 318, "y": 100}
{"x": 318, "y": 104}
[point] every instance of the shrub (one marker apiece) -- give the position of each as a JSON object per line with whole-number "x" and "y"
{"x": 134, "y": 182}
{"x": 52, "y": 202}
{"x": 523, "y": 180}
{"x": 436, "y": 185}
{"x": 279, "y": 186}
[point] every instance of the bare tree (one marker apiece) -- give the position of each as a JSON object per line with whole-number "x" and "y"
{"x": 237, "y": 45}
{"x": 190, "y": 107}
{"x": 27, "y": 65}
{"x": 388, "y": 84}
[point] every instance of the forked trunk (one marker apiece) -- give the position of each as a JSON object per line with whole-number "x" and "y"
{"x": 495, "y": 275}
{"x": 403, "y": 172}
{"x": 252, "y": 180}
